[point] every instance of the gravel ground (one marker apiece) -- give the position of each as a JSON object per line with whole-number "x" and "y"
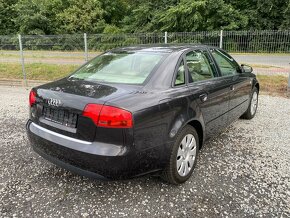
{"x": 244, "y": 172}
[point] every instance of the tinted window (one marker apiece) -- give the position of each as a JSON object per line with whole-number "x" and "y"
{"x": 180, "y": 75}
{"x": 125, "y": 67}
{"x": 226, "y": 64}
{"x": 198, "y": 66}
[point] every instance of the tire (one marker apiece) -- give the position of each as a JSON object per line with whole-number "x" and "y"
{"x": 252, "y": 109}
{"x": 183, "y": 156}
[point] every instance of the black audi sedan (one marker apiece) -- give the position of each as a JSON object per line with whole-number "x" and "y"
{"x": 136, "y": 110}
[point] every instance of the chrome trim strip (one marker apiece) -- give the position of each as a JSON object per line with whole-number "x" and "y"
{"x": 60, "y": 135}
{"x": 94, "y": 148}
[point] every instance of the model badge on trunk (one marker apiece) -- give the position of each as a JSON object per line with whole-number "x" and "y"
{"x": 54, "y": 102}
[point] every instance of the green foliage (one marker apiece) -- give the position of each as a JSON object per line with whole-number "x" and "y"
{"x": 82, "y": 16}
{"x": 7, "y": 12}
{"x": 143, "y": 16}
{"x": 200, "y": 15}
{"x": 114, "y": 11}
{"x": 286, "y": 15}
{"x": 270, "y": 13}
{"x": 264, "y": 14}
{"x": 111, "y": 29}
{"x": 36, "y": 16}
{"x": 117, "y": 16}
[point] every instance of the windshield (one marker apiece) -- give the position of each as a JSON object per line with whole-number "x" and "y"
{"x": 125, "y": 67}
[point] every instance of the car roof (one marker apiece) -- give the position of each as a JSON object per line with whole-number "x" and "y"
{"x": 164, "y": 48}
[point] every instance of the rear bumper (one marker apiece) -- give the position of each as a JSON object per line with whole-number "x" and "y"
{"x": 91, "y": 159}
{"x": 95, "y": 148}
{"x": 67, "y": 166}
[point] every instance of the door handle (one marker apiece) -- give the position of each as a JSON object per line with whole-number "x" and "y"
{"x": 203, "y": 97}
{"x": 232, "y": 88}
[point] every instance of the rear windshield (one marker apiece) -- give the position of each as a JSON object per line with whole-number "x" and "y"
{"x": 125, "y": 67}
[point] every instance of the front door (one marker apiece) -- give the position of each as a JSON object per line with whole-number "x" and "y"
{"x": 240, "y": 84}
{"x": 212, "y": 91}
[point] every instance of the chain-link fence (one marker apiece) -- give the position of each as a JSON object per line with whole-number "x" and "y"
{"x": 50, "y": 57}
{"x": 232, "y": 41}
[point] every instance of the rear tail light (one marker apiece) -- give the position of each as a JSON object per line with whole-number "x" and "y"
{"x": 32, "y": 98}
{"x": 93, "y": 111}
{"x": 108, "y": 116}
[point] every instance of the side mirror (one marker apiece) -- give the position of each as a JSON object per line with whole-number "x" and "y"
{"x": 247, "y": 68}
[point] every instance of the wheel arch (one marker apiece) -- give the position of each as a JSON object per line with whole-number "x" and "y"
{"x": 199, "y": 129}
{"x": 257, "y": 85}
{"x": 195, "y": 123}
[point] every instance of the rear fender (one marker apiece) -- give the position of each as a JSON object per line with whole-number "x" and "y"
{"x": 185, "y": 117}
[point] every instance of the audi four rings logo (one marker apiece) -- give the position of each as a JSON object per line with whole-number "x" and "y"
{"x": 54, "y": 102}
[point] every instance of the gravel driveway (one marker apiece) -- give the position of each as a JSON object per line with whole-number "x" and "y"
{"x": 244, "y": 172}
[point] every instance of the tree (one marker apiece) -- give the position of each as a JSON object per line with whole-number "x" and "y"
{"x": 6, "y": 17}
{"x": 286, "y": 15}
{"x": 272, "y": 13}
{"x": 37, "y": 16}
{"x": 115, "y": 16}
{"x": 185, "y": 16}
{"x": 114, "y": 11}
{"x": 264, "y": 14}
{"x": 82, "y": 16}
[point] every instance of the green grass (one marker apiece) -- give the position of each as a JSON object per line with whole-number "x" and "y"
{"x": 48, "y": 72}
{"x": 273, "y": 84}
{"x": 48, "y": 54}
{"x": 35, "y": 71}
{"x": 42, "y": 56}
{"x": 263, "y": 66}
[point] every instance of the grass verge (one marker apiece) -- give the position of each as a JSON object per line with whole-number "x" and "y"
{"x": 273, "y": 84}
{"x": 263, "y": 66}
{"x": 48, "y": 72}
{"x": 35, "y": 71}
{"x": 48, "y": 54}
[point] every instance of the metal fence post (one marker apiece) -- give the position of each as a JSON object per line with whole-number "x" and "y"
{"x": 22, "y": 59}
{"x": 221, "y": 39}
{"x": 165, "y": 37}
{"x": 86, "y": 47}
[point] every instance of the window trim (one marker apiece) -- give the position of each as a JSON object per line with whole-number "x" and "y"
{"x": 239, "y": 71}
{"x": 211, "y": 62}
{"x": 181, "y": 58}
{"x": 190, "y": 85}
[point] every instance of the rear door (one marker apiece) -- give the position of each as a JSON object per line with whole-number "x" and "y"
{"x": 212, "y": 91}
{"x": 240, "y": 84}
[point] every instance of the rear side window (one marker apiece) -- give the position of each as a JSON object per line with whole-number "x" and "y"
{"x": 180, "y": 76}
{"x": 226, "y": 64}
{"x": 198, "y": 66}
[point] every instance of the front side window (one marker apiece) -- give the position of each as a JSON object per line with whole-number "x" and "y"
{"x": 198, "y": 66}
{"x": 180, "y": 75}
{"x": 124, "y": 67}
{"x": 226, "y": 64}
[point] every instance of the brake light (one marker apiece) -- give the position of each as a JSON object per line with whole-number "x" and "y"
{"x": 108, "y": 116}
{"x": 32, "y": 98}
{"x": 93, "y": 111}
{"x": 115, "y": 117}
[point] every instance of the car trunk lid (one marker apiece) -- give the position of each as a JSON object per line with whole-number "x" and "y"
{"x": 60, "y": 105}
